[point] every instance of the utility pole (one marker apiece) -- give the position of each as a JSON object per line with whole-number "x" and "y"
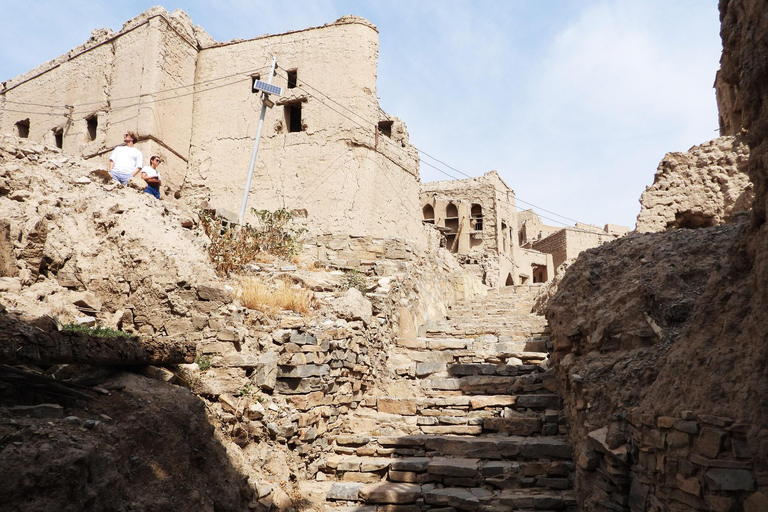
{"x": 265, "y": 89}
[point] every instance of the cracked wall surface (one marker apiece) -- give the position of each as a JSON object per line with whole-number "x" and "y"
{"x": 702, "y": 187}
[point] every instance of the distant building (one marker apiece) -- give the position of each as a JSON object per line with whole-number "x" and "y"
{"x": 478, "y": 218}
{"x": 564, "y": 244}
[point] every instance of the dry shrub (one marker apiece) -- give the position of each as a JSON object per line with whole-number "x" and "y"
{"x": 232, "y": 248}
{"x": 271, "y": 298}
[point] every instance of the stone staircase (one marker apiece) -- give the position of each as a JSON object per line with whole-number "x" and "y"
{"x": 475, "y": 424}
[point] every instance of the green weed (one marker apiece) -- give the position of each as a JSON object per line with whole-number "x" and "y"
{"x": 354, "y": 279}
{"x": 99, "y": 332}
{"x": 203, "y": 362}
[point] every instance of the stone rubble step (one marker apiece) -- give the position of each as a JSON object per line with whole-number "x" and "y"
{"x": 496, "y": 448}
{"x": 537, "y": 399}
{"x": 457, "y": 498}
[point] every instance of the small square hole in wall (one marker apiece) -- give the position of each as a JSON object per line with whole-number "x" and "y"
{"x": 92, "y": 126}
{"x": 293, "y": 78}
{"x": 255, "y": 77}
{"x": 385, "y": 128}
{"x": 293, "y": 117}
{"x": 22, "y": 129}
{"x": 58, "y": 136}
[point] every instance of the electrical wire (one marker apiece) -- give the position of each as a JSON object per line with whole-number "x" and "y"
{"x": 161, "y": 91}
{"x": 302, "y": 82}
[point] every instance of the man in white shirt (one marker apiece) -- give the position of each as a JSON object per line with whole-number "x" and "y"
{"x": 152, "y": 177}
{"x": 125, "y": 161}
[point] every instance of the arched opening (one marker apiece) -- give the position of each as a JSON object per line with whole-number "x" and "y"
{"x": 452, "y": 219}
{"x": 504, "y": 238}
{"x": 509, "y": 281}
{"x": 476, "y": 216}
{"x": 428, "y": 214}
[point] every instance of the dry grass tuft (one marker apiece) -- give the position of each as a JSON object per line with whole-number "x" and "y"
{"x": 271, "y": 298}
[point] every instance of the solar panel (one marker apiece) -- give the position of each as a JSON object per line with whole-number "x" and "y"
{"x": 258, "y": 85}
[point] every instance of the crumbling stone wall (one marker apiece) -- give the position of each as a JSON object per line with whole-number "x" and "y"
{"x": 702, "y": 187}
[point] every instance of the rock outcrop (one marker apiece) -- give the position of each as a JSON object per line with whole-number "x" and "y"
{"x": 702, "y": 187}
{"x": 659, "y": 338}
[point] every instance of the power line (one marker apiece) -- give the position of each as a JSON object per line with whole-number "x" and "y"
{"x": 161, "y": 91}
{"x": 304, "y": 83}
{"x": 34, "y": 113}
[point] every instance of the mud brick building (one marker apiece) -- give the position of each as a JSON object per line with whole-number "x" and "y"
{"x": 478, "y": 218}
{"x": 189, "y": 98}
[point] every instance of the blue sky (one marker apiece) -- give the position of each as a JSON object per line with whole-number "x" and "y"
{"x": 573, "y": 102}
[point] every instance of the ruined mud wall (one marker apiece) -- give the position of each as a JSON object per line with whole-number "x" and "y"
{"x": 659, "y": 340}
{"x": 189, "y": 99}
{"x": 333, "y": 166}
{"x": 569, "y": 243}
{"x": 113, "y": 83}
{"x": 703, "y": 187}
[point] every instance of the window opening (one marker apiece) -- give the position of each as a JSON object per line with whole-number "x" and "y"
{"x": 429, "y": 214}
{"x": 477, "y": 217}
{"x": 451, "y": 211}
{"x": 450, "y": 242}
{"x": 510, "y": 281}
{"x": 539, "y": 273}
{"x": 293, "y": 78}
{"x": 22, "y": 129}
{"x": 385, "y": 128}
{"x": 255, "y": 77}
{"x": 92, "y": 125}
{"x": 504, "y": 240}
{"x": 58, "y": 136}
{"x": 293, "y": 117}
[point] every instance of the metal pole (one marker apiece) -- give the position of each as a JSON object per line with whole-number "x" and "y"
{"x": 256, "y": 144}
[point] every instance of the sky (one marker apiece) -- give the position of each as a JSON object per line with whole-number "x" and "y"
{"x": 573, "y": 102}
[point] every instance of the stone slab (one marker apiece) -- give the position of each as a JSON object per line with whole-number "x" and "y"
{"x": 395, "y": 493}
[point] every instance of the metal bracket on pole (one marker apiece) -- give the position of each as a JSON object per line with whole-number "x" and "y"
{"x": 265, "y": 99}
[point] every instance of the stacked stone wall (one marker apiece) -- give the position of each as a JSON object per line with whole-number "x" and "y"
{"x": 682, "y": 462}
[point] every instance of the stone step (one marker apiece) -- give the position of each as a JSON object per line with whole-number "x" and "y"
{"x": 483, "y": 414}
{"x": 515, "y": 310}
{"x": 461, "y": 364}
{"x": 453, "y": 405}
{"x": 430, "y": 496}
{"x": 481, "y": 349}
{"x": 486, "y": 447}
{"x": 450, "y": 471}
{"x": 496, "y": 385}
{"x": 470, "y": 329}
